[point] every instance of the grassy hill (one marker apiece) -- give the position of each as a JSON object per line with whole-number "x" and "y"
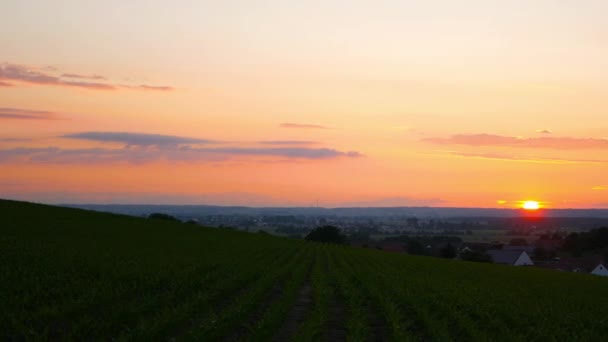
{"x": 75, "y": 274}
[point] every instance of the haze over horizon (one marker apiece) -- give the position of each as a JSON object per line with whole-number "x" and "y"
{"x": 287, "y": 103}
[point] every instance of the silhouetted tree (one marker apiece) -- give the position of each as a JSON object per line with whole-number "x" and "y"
{"x": 329, "y": 234}
{"x": 540, "y": 253}
{"x": 160, "y": 216}
{"x": 518, "y": 242}
{"x": 595, "y": 240}
{"x": 475, "y": 256}
{"x": 415, "y": 247}
{"x": 448, "y": 252}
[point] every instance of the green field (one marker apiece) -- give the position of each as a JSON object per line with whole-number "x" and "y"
{"x": 68, "y": 274}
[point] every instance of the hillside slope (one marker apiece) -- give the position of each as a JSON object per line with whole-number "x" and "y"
{"x": 69, "y": 273}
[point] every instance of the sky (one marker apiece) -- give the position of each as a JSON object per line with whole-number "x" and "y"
{"x": 473, "y": 103}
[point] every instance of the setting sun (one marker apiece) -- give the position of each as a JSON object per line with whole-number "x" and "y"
{"x": 530, "y": 205}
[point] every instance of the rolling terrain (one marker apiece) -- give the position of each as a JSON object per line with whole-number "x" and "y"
{"x": 75, "y": 274}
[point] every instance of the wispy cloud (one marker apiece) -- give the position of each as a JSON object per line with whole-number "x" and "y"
{"x": 288, "y": 152}
{"x": 143, "y": 154}
{"x": 136, "y": 139}
{"x": 304, "y": 126}
{"x": 544, "y": 131}
{"x": 14, "y": 139}
{"x": 559, "y": 143}
{"x": 11, "y": 73}
{"x": 26, "y": 114}
{"x": 5, "y": 84}
{"x": 84, "y": 77}
{"x": 21, "y": 73}
{"x": 149, "y": 88}
{"x": 288, "y": 142}
{"x": 528, "y": 159}
{"x": 141, "y": 147}
{"x": 600, "y": 188}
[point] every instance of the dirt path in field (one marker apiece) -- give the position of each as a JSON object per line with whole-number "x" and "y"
{"x": 298, "y": 313}
{"x": 378, "y": 325}
{"x": 336, "y": 323}
{"x": 219, "y": 303}
{"x": 258, "y": 313}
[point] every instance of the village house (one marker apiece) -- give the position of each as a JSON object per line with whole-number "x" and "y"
{"x": 513, "y": 258}
{"x": 586, "y": 264}
{"x": 600, "y": 270}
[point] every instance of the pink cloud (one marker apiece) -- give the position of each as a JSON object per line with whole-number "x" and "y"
{"x": 84, "y": 77}
{"x": 30, "y": 75}
{"x": 26, "y": 114}
{"x": 150, "y": 88}
{"x": 142, "y": 147}
{"x": 529, "y": 159}
{"x": 20, "y": 73}
{"x": 304, "y": 126}
{"x": 559, "y": 143}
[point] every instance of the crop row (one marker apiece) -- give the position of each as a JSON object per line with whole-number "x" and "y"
{"x": 107, "y": 277}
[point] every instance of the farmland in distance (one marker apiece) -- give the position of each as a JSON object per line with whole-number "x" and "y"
{"x": 75, "y": 274}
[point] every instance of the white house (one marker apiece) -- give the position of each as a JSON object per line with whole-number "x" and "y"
{"x": 514, "y": 258}
{"x": 600, "y": 270}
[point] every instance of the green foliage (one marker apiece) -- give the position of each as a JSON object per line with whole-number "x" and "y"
{"x": 161, "y": 216}
{"x": 448, "y": 252}
{"x": 416, "y": 247}
{"x": 68, "y": 274}
{"x": 476, "y": 256}
{"x": 518, "y": 242}
{"x": 328, "y": 234}
{"x": 595, "y": 240}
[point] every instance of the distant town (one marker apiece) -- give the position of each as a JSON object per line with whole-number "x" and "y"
{"x": 566, "y": 239}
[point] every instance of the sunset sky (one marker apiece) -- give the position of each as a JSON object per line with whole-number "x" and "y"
{"x": 473, "y": 103}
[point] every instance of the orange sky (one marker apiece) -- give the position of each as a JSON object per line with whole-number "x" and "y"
{"x": 383, "y": 103}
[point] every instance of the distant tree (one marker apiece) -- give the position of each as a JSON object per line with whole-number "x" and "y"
{"x": 540, "y": 253}
{"x": 329, "y": 234}
{"x": 161, "y": 216}
{"x": 594, "y": 241}
{"x": 518, "y": 242}
{"x": 448, "y": 252}
{"x": 415, "y": 247}
{"x": 476, "y": 256}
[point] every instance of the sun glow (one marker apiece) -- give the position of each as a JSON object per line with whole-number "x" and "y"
{"x": 530, "y": 205}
